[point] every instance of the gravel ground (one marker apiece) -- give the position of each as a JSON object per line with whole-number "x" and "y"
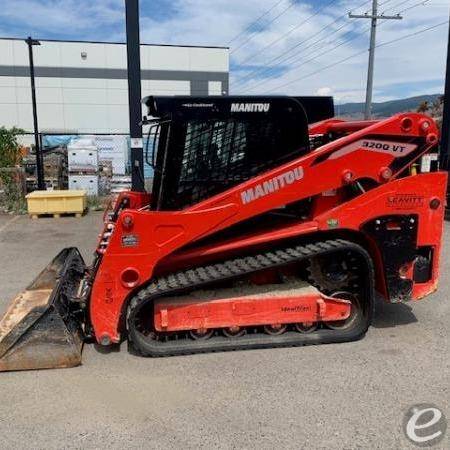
{"x": 329, "y": 397}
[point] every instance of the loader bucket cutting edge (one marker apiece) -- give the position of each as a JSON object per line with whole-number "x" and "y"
{"x": 40, "y": 329}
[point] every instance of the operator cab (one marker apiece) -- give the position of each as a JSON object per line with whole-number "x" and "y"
{"x": 201, "y": 146}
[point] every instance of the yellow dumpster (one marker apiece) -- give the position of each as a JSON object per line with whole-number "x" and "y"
{"x": 56, "y": 203}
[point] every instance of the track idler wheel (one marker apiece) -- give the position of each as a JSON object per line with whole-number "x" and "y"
{"x": 332, "y": 274}
{"x": 355, "y": 311}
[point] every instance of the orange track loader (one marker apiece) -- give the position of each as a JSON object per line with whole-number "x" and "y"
{"x": 269, "y": 224}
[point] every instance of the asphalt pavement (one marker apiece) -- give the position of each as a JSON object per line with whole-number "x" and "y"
{"x": 342, "y": 396}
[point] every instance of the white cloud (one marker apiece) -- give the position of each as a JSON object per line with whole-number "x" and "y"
{"x": 414, "y": 65}
{"x": 324, "y": 91}
{"x": 66, "y": 17}
{"x": 415, "y": 62}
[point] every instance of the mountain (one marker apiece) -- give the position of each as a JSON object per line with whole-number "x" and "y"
{"x": 385, "y": 109}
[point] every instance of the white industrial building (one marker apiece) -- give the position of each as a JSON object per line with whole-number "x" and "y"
{"x": 81, "y": 87}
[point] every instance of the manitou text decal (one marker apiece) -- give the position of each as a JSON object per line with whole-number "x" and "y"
{"x": 272, "y": 185}
{"x": 250, "y": 107}
{"x": 395, "y": 149}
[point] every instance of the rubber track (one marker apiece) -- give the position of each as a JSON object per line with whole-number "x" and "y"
{"x": 192, "y": 279}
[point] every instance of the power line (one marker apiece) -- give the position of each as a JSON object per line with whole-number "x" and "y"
{"x": 360, "y": 53}
{"x": 270, "y": 69}
{"x": 331, "y": 49}
{"x": 303, "y": 62}
{"x": 287, "y": 58}
{"x": 383, "y": 3}
{"x": 298, "y": 44}
{"x": 317, "y": 56}
{"x": 396, "y": 6}
{"x": 414, "y": 6}
{"x": 319, "y": 70}
{"x": 289, "y": 32}
{"x": 254, "y": 22}
{"x": 413, "y": 34}
{"x": 250, "y": 37}
{"x": 312, "y": 59}
{"x": 383, "y": 19}
{"x": 421, "y": 3}
{"x": 315, "y": 43}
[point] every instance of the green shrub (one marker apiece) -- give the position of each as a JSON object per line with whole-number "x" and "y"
{"x": 12, "y": 179}
{"x": 10, "y": 155}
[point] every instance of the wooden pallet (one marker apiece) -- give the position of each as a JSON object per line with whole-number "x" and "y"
{"x": 57, "y": 215}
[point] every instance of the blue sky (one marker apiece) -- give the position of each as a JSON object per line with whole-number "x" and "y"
{"x": 292, "y": 46}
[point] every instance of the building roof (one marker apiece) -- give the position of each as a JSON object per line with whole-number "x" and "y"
{"x": 114, "y": 43}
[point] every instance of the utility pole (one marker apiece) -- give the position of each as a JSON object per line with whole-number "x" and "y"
{"x": 37, "y": 147}
{"x": 444, "y": 155}
{"x": 373, "y": 35}
{"x": 134, "y": 94}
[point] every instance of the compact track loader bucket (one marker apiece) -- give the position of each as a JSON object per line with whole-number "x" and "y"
{"x": 42, "y": 328}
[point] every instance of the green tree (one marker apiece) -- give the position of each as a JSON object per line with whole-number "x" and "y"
{"x": 11, "y": 181}
{"x": 9, "y": 147}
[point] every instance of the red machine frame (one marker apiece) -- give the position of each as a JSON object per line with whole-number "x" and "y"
{"x": 142, "y": 243}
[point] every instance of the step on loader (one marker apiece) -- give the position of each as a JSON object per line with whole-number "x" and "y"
{"x": 270, "y": 223}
